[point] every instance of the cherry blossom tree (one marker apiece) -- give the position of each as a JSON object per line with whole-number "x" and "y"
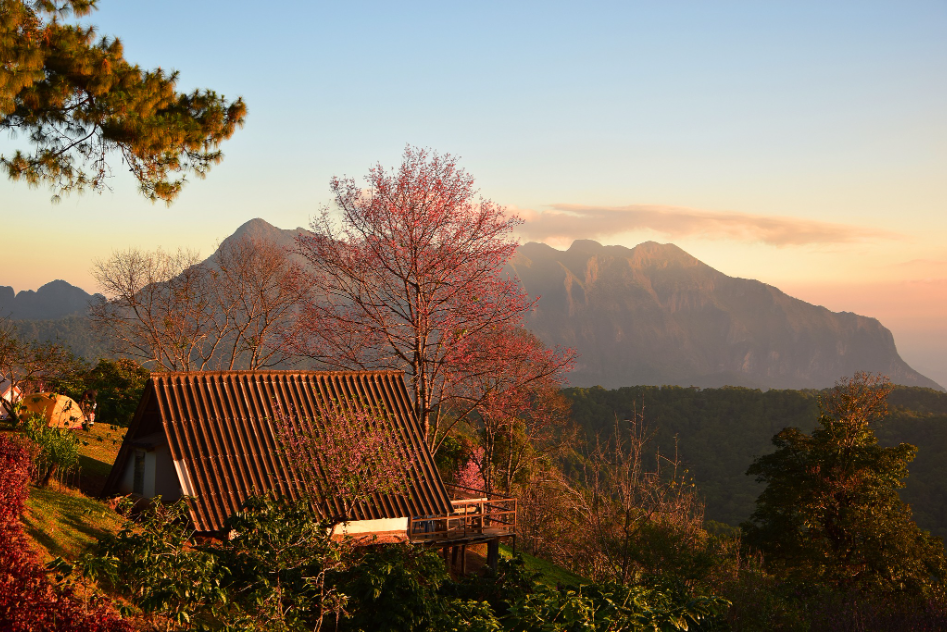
{"x": 407, "y": 274}
{"x": 511, "y": 394}
{"x": 347, "y": 456}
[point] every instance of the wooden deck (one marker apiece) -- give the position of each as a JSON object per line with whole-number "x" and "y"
{"x": 477, "y": 517}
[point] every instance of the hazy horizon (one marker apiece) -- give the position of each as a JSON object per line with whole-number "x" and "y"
{"x": 802, "y": 144}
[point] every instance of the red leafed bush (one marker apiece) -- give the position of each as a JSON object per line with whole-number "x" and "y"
{"x": 28, "y": 601}
{"x": 15, "y": 459}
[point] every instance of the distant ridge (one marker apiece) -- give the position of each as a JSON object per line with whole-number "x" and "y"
{"x": 648, "y": 315}
{"x": 654, "y": 314}
{"x": 52, "y": 301}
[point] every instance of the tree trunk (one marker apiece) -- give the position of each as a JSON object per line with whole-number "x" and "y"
{"x": 49, "y": 475}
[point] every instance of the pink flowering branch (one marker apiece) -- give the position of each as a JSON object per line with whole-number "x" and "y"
{"x": 346, "y": 456}
{"x": 407, "y": 274}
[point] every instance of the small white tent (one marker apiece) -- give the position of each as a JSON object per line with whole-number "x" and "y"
{"x": 8, "y": 392}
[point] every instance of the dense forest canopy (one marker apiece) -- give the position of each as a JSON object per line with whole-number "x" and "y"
{"x": 719, "y": 432}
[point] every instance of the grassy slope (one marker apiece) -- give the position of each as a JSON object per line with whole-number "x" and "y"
{"x": 549, "y": 573}
{"x": 64, "y": 519}
{"x": 65, "y": 523}
{"x": 98, "y": 448}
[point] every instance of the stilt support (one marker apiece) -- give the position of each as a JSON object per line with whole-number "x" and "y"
{"x": 493, "y": 553}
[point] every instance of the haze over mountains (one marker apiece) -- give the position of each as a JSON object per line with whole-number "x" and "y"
{"x": 655, "y": 315}
{"x": 649, "y": 315}
{"x": 53, "y": 300}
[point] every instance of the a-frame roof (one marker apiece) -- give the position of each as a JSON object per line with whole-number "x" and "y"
{"x": 219, "y": 426}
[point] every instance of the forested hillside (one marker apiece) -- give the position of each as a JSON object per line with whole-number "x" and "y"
{"x": 720, "y": 431}
{"x": 73, "y": 331}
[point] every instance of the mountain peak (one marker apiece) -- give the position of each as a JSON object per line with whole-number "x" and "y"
{"x": 261, "y": 230}
{"x": 651, "y": 252}
{"x": 582, "y": 246}
{"x": 654, "y": 314}
{"x": 51, "y": 301}
{"x": 256, "y": 228}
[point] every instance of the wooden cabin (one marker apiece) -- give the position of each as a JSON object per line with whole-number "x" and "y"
{"x": 211, "y": 436}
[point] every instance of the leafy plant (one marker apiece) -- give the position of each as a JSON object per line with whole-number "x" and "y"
{"x": 153, "y": 562}
{"x": 282, "y": 566}
{"x": 274, "y": 572}
{"x": 28, "y": 601}
{"x": 57, "y": 448}
{"x": 831, "y": 513}
{"x": 394, "y": 588}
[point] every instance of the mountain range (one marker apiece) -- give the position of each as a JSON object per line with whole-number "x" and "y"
{"x": 648, "y": 315}
{"x": 655, "y": 315}
{"x": 54, "y": 300}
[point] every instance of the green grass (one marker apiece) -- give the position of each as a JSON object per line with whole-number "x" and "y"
{"x": 65, "y": 523}
{"x": 549, "y": 573}
{"x": 98, "y": 448}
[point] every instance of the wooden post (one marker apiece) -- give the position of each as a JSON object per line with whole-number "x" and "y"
{"x": 493, "y": 553}
{"x": 463, "y": 560}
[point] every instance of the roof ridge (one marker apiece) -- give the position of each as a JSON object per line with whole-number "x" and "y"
{"x": 276, "y": 372}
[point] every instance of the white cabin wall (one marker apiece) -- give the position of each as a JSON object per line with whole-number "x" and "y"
{"x": 166, "y": 478}
{"x": 383, "y": 525}
{"x": 149, "y": 487}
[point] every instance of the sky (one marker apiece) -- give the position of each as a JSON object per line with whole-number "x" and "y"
{"x": 800, "y": 143}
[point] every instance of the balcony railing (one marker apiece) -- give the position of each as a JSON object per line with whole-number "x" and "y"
{"x": 475, "y": 513}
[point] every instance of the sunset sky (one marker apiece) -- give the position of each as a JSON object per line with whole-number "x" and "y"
{"x": 803, "y": 144}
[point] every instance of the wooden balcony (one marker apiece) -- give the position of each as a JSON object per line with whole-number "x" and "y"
{"x": 476, "y": 517}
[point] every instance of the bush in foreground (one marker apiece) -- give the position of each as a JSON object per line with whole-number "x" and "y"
{"x": 28, "y": 601}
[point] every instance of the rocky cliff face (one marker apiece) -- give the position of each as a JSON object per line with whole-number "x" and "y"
{"x": 656, "y": 315}
{"x": 54, "y": 300}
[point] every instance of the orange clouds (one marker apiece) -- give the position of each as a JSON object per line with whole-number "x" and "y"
{"x": 572, "y": 221}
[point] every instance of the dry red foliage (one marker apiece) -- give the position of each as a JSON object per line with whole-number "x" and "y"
{"x": 28, "y": 600}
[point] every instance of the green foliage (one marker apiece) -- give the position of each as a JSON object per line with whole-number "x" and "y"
{"x": 281, "y": 564}
{"x": 152, "y": 563}
{"x": 739, "y": 423}
{"x": 271, "y": 574}
{"x": 394, "y": 588}
{"x": 58, "y": 448}
{"x": 608, "y": 607}
{"x": 78, "y": 100}
{"x": 119, "y": 385}
{"x": 831, "y": 514}
{"x": 280, "y": 570}
{"x": 458, "y": 615}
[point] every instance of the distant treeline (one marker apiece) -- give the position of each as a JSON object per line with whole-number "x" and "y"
{"x": 719, "y": 432}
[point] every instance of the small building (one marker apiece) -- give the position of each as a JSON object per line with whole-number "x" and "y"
{"x": 211, "y": 436}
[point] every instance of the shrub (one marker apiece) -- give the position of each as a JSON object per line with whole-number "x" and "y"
{"x": 57, "y": 449}
{"x": 27, "y": 600}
